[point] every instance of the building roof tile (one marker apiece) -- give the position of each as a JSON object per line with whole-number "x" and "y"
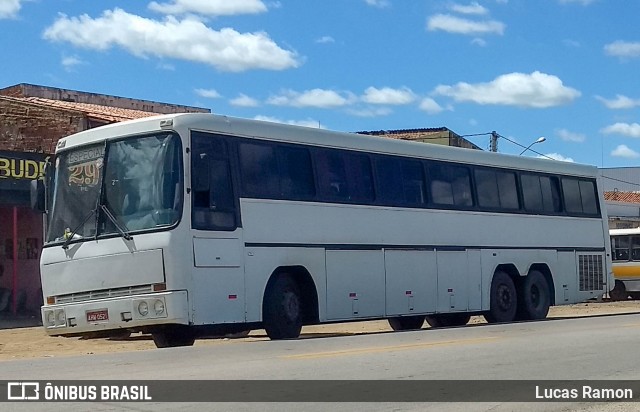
{"x": 92, "y": 111}
{"x": 625, "y": 197}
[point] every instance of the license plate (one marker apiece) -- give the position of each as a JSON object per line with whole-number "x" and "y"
{"x": 98, "y": 315}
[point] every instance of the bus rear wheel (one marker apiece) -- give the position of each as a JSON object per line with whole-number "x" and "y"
{"x": 173, "y": 336}
{"x": 406, "y": 322}
{"x": 619, "y": 291}
{"x": 444, "y": 320}
{"x": 534, "y": 299}
{"x": 282, "y": 309}
{"x": 503, "y": 301}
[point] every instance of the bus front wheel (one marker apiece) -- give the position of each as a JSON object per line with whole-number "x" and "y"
{"x": 173, "y": 336}
{"x": 503, "y": 301}
{"x": 406, "y": 322}
{"x": 282, "y": 309}
{"x": 534, "y": 298}
{"x": 619, "y": 291}
{"x": 445, "y": 320}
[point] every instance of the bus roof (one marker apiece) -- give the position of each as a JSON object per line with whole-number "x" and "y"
{"x": 623, "y": 232}
{"x": 320, "y": 137}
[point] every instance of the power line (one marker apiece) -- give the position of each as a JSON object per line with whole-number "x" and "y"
{"x": 621, "y": 181}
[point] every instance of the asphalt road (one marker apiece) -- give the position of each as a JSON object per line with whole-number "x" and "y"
{"x": 596, "y": 348}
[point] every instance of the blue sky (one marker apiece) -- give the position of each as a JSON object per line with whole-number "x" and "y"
{"x": 568, "y": 70}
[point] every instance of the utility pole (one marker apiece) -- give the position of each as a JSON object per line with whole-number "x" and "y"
{"x": 493, "y": 146}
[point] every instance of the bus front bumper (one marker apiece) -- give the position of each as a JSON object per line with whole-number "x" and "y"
{"x": 125, "y": 312}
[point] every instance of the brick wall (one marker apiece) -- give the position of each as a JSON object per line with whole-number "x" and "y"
{"x": 26, "y": 127}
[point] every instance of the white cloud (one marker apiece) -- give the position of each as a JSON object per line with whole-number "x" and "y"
{"x": 569, "y": 136}
{"x": 381, "y": 4}
{"x": 624, "y": 151}
{"x": 620, "y": 102}
{"x": 430, "y": 106}
{"x": 70, "y": 62}
{"x": 244, "y": 101}
{"x": 166, "y": 66}
{"x": 458, "y": 25}
{"x": 479, "y": 42}
{"x": 571, "y": 43}
{"x": 623, "y": 49}
{"x": 187, "y": 39}
{"x": 535, "y": 90}
{"x": 625, "y": 129}
{"x": 311, "y": 98}
{"x": 472, "y": 8}
{"x": 387, "y": 95}
{"x": 325, "y": 39}
{"x": 306, "y": 123}
{"x": 581, "y": 2}
{"x": 209, "y": 7}
{"x": 556, "y": 156}
{"x": 208, "y": 93}
{"x": 370, "y": 112}
{"x": 9, "y": 8}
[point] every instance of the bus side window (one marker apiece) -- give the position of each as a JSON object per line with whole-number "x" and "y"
{"x": 541, "y": 194}
{"x": 635, "y": 248}
{"x": 332, "y": 175}
{"x": 213, "y": 204}
{"x": 620, "y": 246}
{"x": 450, "y": 185}
{"x": 296, "y": 173}
{"x": 579, "y": 196}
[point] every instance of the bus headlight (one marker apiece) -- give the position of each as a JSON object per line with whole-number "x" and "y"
{"x": 143, "y": 308}
{"x": 158, "y": 307}
{"x": 60, "y": 317}
{"x": 50, "y": 318}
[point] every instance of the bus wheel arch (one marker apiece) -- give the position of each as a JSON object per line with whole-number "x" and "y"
{"x": 619, "y": 291}
{"x": 400, "y": 323}
{"x": 503, "y": 296}
{"x": 290, "y": 300}
{"x": 444, "y": 320}
{"x": 535, "y": 294}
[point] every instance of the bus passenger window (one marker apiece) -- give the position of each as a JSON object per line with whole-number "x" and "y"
{"x": 620, "y": 247}
{"x": 259, "y": 170}
{"x": 296, "y": 173}
{"x": 332, "y": 175}
{"x": 580, "y": 196}
{"x": 635, "y": 248}
{"x": 450, "y": 185}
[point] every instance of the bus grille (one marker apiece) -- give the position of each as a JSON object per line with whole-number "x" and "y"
{"x": 104, "y": 294}
{"x": 591, "y": 272}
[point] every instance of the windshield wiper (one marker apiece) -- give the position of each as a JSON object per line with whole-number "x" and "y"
{"x": 73, "y": 233}
{"x": 124, "y": 232}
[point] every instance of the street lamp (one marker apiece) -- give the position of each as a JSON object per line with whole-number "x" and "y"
{"x": 538, "y": 140}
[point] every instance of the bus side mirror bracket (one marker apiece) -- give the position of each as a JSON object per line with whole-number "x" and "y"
{"x": 37, "y": 195}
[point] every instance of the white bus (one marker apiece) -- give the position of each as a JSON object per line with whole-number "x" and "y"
{"x": 194, "y": 225}
{"x": 625, "y": 249}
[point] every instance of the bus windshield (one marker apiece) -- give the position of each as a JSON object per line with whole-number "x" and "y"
{"x": 116, "y": 187}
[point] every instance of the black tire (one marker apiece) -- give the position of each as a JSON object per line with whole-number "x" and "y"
{"x": 282, "y": 309}
{"x": 406, "y": 322}
{"x": 503, "y": 303}
{"x": 619, "y": 291}
{"x": 535, "y": 297}
{"x": 174, "y": 336}
{"x": 445, "y": 320}
{"x": 634, "y": 295}
{"x": 238, "y": 335}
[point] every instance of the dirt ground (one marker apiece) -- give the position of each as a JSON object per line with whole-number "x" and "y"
{"x": 32, "y": 342}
